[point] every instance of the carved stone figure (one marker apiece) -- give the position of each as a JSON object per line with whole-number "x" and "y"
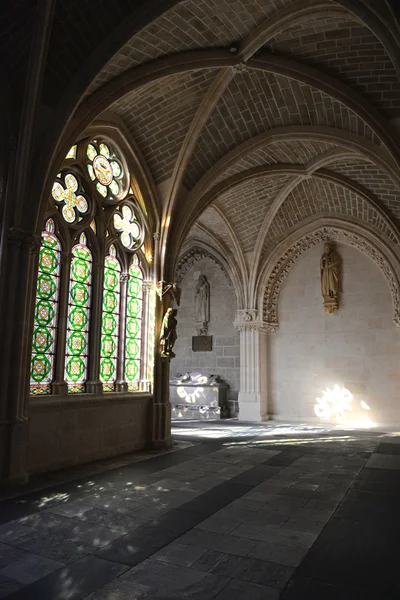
{"x": 168, "y": 333}
{"x": 330, "y": 278}
{"x": 202, "y": 305}
{"x": 170, "y": 291}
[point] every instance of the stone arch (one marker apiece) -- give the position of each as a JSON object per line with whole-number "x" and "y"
{"x": 194, "y": 255}
{"x": 290, "y": 251}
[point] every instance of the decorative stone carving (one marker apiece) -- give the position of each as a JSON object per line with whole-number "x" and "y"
{"x": 171, "y": 292}
{"x": 190, "y": 258}
{"x": 330, "y": 279}
{"x": 246, "y": 320}
{"x": 202, "y": 305}
{"x": 19, "y": 238}
{"x": 240, "y": 67}
{"x": 168, "y": 333}
{"x": 292, "y": 255}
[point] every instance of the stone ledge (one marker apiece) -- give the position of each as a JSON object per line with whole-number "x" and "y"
{"x": 82, "y": 400}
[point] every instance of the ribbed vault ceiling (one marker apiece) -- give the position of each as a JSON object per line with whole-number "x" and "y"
{"x": 280, "y": 113}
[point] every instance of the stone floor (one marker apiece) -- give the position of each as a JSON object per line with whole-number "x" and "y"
{"x": 253, "y": 512}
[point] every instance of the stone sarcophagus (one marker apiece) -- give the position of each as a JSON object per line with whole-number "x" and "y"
{"x": 196, "y": 396}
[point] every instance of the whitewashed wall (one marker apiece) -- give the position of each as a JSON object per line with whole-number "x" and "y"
{"x": 224, "y": 359}
{"x": 358, "y": 348}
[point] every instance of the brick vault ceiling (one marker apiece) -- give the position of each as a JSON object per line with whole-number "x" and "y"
{"x": 300, "y": 128}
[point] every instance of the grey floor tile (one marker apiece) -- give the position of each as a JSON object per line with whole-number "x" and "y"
{"x": 67, "y": 546}
{"x": 120, "y": 589}
{"x": 384, "y": 461}
{"x": 217, "y": 541}
{"x": 112, "y": 520}
{"x": 74, "y": 582}
{"x": 305, "y": 525}
{"x": 172, "y": 579}
{"x": 150, "y": 538}
{"x": 14, "y": 530}
{"x": 30, "y": 568}
{"x": 242, "y": 589}
{"x": 178, "y": 554}
{"x": 284, "y": 547}
{"x": 9, "y": 554}
{"x": 255, "y": 531}
{"x": 7, "y": 586}
{"x": 219, "y": 524}
{"x": 244, "y": 568}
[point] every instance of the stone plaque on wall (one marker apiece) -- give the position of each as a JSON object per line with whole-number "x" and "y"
{"x": 202, "y": 343}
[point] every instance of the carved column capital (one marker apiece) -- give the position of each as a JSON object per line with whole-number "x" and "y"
{"x": 147, "y": 286}
{"x": 22, "y": 239}
{"x": 247, "y": 319}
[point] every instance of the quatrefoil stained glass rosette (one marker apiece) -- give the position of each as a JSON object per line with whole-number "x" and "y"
{"x": 74, "y": 206}
{"x": 106, "y": 171}
{"x": 130, "y": 230}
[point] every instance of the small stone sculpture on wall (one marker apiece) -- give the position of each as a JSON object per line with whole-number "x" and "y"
{"x": 168, "y": 333}
{"x": 330, "y": 278}
{"x": 202, "y": 305}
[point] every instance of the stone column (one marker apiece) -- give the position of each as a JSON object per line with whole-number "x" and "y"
{"x": 121, "y": 385}
{"x": 59, "y": 385}
{"x": 253, "y": 394}
{"x": 161, "y": 409}
{"x": 93, "y": 384}
{"x": 18, "y": 280}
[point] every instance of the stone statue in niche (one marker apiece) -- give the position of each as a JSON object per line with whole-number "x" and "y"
{"x": 168, "y": 333}
{"x": 330, "y": 278}
{"x": 202, "y": 305}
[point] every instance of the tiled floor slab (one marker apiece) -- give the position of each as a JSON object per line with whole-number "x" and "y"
{"x": 229, "y": 518}
{"x": 169, "y": 579}
{"x": 384, "y": 461}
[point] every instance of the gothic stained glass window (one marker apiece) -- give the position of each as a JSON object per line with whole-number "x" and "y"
{"x": 80, "y": 287}
{"x": 134, "y": 326}
{"x": 46, "y": 313}
{"x": 105, "y": 170}
{"x": 110, "y": 321}
{"x": 127, "y": 225}
{"x": 64, "y": 193}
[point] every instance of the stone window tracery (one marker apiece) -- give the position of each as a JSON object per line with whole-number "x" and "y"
{"x": 92, "y": 278}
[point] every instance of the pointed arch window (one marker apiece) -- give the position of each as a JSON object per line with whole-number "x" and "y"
{"x": 95, "y": 312}
{"x": 80, "y": 288}
{"x": 110, "y": 321}
{"x": 46, "y": 312}
{"x": 134, "y": 317}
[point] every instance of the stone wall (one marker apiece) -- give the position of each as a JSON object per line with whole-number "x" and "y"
{"x": 357, "y": 348}
{"x": 224, "y": 357}
{"x": 84, "y": 428}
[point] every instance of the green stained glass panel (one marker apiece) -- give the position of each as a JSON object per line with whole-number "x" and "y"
{"x": 116, "y": 168}
{"x": 77, "y": 344}
{"x": 110, "y": 322}
{"x": 91, "y": 152}
{"x": 114, "y": 187}
{"x": 134, "y": 309}
{"x": 101, "y": 189}
{"x": 104, "y": 150}
{"x": 46, "y": 313}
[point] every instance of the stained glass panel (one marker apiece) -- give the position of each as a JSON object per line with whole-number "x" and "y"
{"x": 77, "y": 347}
{"x": 72, "y": 152}
{"x": 110, "y": 322}
{"x": 46, "y": 313}
{"x": 134, "y": 326}
{"x": 73, "y": 204}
